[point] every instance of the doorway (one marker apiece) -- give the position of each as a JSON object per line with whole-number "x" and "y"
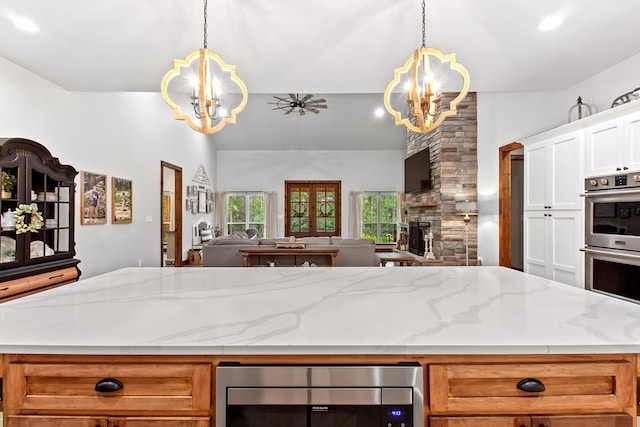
{"x": 171, "y": 215}
{"x": 510, "y": 205}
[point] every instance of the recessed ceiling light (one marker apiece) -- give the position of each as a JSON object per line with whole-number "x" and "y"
{"x": 25, "y": 25}
{"x": 550, "y": 22}
{"x": 379, "y": 112}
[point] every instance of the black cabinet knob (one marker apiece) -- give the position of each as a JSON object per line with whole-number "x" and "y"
{"x": 108, "y": 385}
{"x": 625, "y": 168}
{"x": 531, "y": 385}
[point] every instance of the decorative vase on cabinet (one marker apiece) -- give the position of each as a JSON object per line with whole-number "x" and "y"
{"x": 38, "y": 249}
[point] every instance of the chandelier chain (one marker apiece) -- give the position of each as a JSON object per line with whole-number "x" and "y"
{"x": 424, "y": 30}
{"x": 205, "y": 24}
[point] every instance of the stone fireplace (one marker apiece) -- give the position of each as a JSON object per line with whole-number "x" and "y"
{"x": 454, "y": 169}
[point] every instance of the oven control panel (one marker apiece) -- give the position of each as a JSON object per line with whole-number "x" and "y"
{"x": 398, "y": 416}
{"x": 608, "y": 182}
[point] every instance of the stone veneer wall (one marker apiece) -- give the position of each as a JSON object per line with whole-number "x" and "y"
{"x": 454, "y": 167}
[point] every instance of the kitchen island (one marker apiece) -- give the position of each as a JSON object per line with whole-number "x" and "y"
{"x": 464, "y": 325}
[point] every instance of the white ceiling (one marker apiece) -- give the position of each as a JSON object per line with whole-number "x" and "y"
{"x": 317, "y": 46}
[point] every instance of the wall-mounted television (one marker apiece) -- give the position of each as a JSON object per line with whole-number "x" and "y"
{"x": 417, "y": 174}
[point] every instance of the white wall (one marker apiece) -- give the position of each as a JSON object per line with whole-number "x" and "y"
{"x": 125, "y": 135}
{"x": 509, "y": 117}
{"x": 266, "y": 170}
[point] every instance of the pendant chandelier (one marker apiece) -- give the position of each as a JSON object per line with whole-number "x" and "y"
{"x": 206, "y": 87}
{"x": 414, "y": 88}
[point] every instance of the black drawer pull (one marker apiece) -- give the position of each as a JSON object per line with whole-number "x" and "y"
{"x": 55, "y": 277}
{"x": 108, "y": 385}
{"x": 531, "y": 385}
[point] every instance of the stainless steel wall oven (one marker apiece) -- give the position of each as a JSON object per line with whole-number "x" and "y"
{"x": 319, "y": 396}
{"x": 612, "y": 235}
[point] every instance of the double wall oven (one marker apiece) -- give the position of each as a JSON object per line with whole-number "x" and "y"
{"x": 319, "y": 396}
{"x": 612, "y": 235}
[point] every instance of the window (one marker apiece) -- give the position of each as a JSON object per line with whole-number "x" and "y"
{"x": 244, "y": 211}
{"x": 380, "y": 216}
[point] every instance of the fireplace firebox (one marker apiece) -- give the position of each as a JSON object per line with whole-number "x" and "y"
{"x": 417, "y": 231}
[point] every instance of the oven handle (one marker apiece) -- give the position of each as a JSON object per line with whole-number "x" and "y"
{"x": 607, "y": 193}
{"x": 612, "y": 253}
{"x": 319, "y": 396}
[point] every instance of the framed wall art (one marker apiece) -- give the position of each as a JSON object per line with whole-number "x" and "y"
{"x": 93, "y": 198}
{"x": 202, "y": 202}
{"x": 121, "y": 201}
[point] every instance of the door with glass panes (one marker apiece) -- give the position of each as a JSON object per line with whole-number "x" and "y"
{"x": 312, "y": 208}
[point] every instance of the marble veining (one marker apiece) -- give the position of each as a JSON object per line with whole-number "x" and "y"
{"x": 425, "y": 310}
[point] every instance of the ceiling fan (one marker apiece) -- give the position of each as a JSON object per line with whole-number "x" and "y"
{"x": 304, "y": 104}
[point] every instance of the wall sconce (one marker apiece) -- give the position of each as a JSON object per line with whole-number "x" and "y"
{"x": 209, "y": 85}
{"x": 467, "y": 209}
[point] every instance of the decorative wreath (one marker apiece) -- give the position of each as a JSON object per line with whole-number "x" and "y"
{"x": 326, "y": 210}
{"x": 299, "y": 210}
{"x": 36, "y": 222}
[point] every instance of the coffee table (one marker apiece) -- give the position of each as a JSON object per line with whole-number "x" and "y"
{"x": 259, "y": 257}
{"x": 400, "y": 258}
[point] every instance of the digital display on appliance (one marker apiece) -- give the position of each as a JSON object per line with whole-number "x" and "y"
{"x": 395, "y": 412}
{"x": 620, "y": 180}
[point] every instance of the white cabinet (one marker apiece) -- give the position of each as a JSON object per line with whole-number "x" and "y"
{"x": 613, "y": 146}
{"x": 553, "y": 173}
{"x": 552, "y": 243}
{"x": 553, "y": 232}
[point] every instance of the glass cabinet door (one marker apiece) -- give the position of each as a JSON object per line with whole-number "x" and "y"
{"x": 8, "y": 206}
{"x": 53, "y": 201}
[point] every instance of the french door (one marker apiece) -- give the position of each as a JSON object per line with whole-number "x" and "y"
{"x": 312, "y": 208}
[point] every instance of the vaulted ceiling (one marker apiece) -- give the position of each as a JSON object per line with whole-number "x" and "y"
{"x": 317, "y": 46}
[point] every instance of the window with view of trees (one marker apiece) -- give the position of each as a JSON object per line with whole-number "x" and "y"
{"x": 380, "y": 216}
{"x": 244, "y": 211}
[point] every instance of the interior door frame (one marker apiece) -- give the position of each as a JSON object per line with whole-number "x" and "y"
{"x": 504, "y": 202}
{"x": 177, "y": 211}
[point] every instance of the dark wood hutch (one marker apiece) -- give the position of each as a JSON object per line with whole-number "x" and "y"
{"x": 37, "y": 207}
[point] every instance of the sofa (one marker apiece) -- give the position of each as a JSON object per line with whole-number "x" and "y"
{"x": 224, "y": 251}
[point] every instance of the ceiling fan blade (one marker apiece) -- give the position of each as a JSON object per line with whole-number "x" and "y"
{"x": 280, "y": 99}
{"x": 290, "y": 110}
{"x": 319, "y": 100}
{"x": 293, "y": 97}
{"x": 302, "y": 113}
{"x": 313, "y": 110}
{"x": 306, "y": 97}
{"x": 318, "y": 106}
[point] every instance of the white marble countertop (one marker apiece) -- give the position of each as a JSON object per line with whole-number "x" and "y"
{"x": 372, "y": 310}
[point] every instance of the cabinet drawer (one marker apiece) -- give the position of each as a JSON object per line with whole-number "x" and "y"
{"x": 54, "y": 421}
{"x": 613, "y": 420}
{"x": 154, "y": 388}
{"x": 493, "y": 388}
{"x": 39, "y": 281}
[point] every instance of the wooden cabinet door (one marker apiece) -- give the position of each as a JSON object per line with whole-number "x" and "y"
{"x": 159, "y": 422}
{"x": 480, "y": 422}
{"x": 79, "y": 421}
{"x": 613, "y": 420}
{"x": 51, "y": 421}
